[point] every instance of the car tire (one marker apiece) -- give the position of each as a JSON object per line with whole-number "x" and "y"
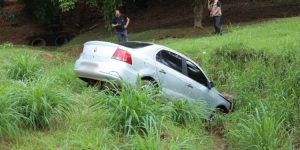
{"x": 152, "y": 83}
{"x": 219, "y": 111}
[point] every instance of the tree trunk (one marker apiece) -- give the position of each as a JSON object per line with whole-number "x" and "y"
{"x": 199, "y": 7}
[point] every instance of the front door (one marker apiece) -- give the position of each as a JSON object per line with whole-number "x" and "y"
{"x": 197, "y": 84}
{"x": 170, "y": 73}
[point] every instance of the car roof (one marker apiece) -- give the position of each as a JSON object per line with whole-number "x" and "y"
{"x": 135, "y": 44}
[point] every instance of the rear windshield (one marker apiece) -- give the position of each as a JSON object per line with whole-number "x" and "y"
{"x": 135, "y": 45}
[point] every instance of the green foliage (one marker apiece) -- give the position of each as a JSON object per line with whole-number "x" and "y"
{"x": 108, "y": 7}
{"x": 48, "y": 11}
{"x": 24, "y": 67}
{"x": 256, "y": 63}
{"x": 40, "y": 102}
{"x": 185, "y": 112}
{"x": 44, "y": 11}
{"x": 9, "y": 17}
{"x": 261, "y": 130}
{"x": 66, "y": 77}
{"x": 134, "y": 109}
{"x": 9, "y": 116}
{"x": 66, "y": 5}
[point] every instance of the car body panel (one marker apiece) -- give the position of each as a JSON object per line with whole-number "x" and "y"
{"x": 96, "y": 63}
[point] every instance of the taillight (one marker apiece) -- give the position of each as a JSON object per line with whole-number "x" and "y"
{"x": 122, "y": 55}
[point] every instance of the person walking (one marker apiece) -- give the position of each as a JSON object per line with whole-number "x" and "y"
{"x": 120, "y": 23}
{"x": 215, "y": 11}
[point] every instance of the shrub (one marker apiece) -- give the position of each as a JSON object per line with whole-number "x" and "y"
{"x": 162, "y": 140}
{"x": 10, "y": 17}
{"x": 9, "y": 116}
{"x": 134, "y": 109}
{"x": 261, "y": 130}
{"x": 67, "y": 78}
{"x": 23, "y": 67}
{"x": 40, "y": 102}
{"x": 184, "y": 112}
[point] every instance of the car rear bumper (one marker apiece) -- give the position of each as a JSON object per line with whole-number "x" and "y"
{"x": 112, "y": 71}
{"x": 96, "y": 75}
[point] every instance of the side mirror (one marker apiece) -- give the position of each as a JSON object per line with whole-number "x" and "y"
{"x": 210, "y": 85}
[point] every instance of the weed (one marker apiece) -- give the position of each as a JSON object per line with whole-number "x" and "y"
{"x": 67, "y": 78}
{"x": 40, "y": 102}
{"x": 261, "y": 130}
{"x": 134, "y": 109}
{"x": 9, "y": 116}
{"x": 24, "y": 67}
{"x": 184, "y": 112}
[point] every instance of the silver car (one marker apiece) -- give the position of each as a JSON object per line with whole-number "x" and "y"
{"x": 177, "y": 75}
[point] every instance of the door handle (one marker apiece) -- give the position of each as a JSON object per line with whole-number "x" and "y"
{"x": 162, "y": 71}
{"x": 190, "y": 86}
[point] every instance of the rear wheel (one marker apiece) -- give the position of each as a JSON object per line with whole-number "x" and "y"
{"x": 146, "y": 83}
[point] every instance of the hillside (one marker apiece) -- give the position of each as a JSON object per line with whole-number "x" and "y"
{"x": 257, "y": 63}
{"x": 17, "y": 26}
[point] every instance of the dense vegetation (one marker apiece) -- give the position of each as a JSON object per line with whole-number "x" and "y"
{"x": 43, "y": 104}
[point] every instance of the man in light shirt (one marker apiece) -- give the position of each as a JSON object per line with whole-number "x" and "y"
{"x": 215, "y": 11}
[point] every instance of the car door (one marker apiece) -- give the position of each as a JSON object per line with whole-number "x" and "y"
{"x": 197, "y": 84}
{"x": 169, "y": 68}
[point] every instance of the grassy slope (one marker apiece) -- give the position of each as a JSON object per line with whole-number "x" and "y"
{"x": 256, "y": 63}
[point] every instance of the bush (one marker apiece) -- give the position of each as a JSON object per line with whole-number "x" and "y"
{"x": 9, "y": 17}
{"x": 9, "y": 116}
{"x": 40, "y": 102}
{"x": 261, "y": 130}
{"x": 184, "y": 112}
{"x": 134, "y": 109}
{"x": 24, "y": 67}
{"x": 67, "y": 78}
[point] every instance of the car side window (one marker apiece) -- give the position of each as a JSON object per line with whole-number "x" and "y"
{"x": 195, "y": 73}
{"x": 170, "y": 59}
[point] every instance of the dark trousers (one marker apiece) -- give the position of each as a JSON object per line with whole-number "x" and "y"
{"x": 217, "y": 24}
{"x": 1, "y": 3}
{"x": 122, "y": 36}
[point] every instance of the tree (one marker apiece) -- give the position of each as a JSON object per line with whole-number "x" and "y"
{"x": 108, "y": 7}
{"x": 199, "y": 7}
{"x": 48, "y": 11}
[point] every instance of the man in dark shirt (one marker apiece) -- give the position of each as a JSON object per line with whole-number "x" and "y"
{"x": 120, "y": 23}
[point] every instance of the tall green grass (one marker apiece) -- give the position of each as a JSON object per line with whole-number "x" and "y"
{"x": 66, "y": 77}
{"x": 256, "y": 75}
{"x": 184, "y": 112}
{"x": 24, "y": 67}
{"x": 133, "y": 109}
{"x": 10, "y": 118}
{"x": 40, "y": 102}
{"x": 261, "y": 130}
{"x": 256, "y": 63}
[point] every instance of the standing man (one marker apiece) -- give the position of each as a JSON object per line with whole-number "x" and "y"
{"x": 215, "y": 11}
{"x": 120, "y": 23}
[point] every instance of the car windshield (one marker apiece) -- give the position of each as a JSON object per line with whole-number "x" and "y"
{"x": 135, "y": 45}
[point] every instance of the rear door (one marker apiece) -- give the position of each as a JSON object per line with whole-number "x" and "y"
{"x": 169, "y": 68}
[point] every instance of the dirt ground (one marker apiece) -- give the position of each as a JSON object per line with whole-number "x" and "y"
{"x": 162, "y": 15}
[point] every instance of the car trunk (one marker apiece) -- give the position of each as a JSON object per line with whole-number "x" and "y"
{"x": 98, "y": 51}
